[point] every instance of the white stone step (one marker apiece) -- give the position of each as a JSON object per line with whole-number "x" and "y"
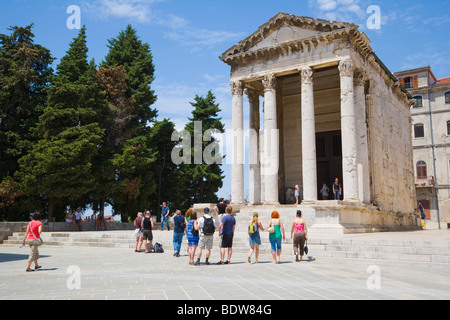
{"x": 365, "y": 249}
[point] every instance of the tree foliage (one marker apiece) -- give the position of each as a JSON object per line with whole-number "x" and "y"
{"x": 87, "y": 135}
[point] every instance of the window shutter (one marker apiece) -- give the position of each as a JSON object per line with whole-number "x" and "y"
{"x": 402, "y": 82}
{"x": 415, "y": 82}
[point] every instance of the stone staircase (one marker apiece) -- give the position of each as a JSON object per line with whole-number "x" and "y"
{"x": 362, "y": 248}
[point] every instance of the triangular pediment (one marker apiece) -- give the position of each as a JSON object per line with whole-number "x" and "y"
{"x": 285, "y": 28}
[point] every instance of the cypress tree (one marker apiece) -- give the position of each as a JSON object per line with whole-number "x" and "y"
{"x": 128, "y": 51}
{"x": 127, "y": 154}
{"x": 203, "y": 180}
{"x": 25, "y": 68}
{"x": 60, "y": 164}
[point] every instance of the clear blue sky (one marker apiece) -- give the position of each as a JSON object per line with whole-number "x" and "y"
{"x": 187, "y": 37}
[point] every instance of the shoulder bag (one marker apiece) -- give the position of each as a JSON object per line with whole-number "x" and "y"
{"x": 36, "y": 241}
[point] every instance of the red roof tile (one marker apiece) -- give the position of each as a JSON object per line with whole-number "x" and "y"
{"x": 443, "y": 81}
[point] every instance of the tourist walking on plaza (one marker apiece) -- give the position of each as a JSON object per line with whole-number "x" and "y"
{"x": 276, "y": 235}
{"x": 138, "y": 232}
{"x": 300, "y": 234}
{"x": 34, "y": 230}
{"x": 165, "y": 216}
{"x": 179, "y": 225}
{"x": 207, "y": 226}
{"x": 226, "y": 231}
{"x": 254, "y": 237}
{"x": 192, "y": 235}
{"x": 147, "y": 226}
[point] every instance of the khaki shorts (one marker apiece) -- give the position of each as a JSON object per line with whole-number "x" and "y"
{"x": 34, "y": 254}
{"x": 205, "y": 242}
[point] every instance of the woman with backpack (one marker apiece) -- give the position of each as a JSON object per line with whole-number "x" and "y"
{"x": 255, "y": 239}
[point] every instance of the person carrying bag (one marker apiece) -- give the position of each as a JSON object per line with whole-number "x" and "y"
{"x": 33, "y": 228}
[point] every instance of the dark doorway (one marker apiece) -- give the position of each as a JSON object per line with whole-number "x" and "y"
{"x": 329, "y": 160}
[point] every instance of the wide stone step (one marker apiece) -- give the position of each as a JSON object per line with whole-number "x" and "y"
{"x": 362, "y": 249}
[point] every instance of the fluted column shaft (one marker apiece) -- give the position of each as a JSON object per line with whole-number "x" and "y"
{"x": 348, "y": 128}
{"x": 309, "y": 163}
{"x": 237, "y": 166}
{"x": 271, "y": 141}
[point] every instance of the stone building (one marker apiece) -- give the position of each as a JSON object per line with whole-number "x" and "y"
{"x": 431, "y": 142}
{"x": 322, "y": 106}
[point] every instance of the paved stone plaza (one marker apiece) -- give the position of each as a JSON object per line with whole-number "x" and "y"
{"x": 79, "y": 273}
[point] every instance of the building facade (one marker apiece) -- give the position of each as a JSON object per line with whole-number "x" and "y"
{"x": 431, "y": 142}
{"x": 322, "y": 106}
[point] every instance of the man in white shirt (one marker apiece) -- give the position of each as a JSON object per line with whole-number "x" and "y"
{"x": 78, "y": 218}
{"x": 207, "y": 226}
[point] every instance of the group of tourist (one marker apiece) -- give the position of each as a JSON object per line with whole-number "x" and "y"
{"x": 76, "y": 219}
{"x": 200, "y": 232}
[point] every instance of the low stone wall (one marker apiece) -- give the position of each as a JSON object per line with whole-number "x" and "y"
{"x": 86, "y": 226}
{"x": 8, "y": 228}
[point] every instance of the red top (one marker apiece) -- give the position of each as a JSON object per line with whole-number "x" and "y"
{"x": 299, "y": 228}
{"x": 34, "y": 225}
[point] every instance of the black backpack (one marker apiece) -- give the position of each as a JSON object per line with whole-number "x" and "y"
{"x": 208, "y": 226}
{"x": 158, "y": 248}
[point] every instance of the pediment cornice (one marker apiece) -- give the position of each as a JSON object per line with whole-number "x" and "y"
{"x": 325, "y": 31}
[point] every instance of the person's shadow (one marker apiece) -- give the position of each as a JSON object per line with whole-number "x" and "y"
{"x": 8, "y": 257}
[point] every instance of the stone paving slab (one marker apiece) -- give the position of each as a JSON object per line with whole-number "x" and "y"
{"x": 78, "y": 273}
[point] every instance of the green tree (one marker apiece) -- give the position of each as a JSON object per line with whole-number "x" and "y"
{"x": 128, "y": 51}
{"x": 128, "y": 156}
{"x": 59, "y": 166}
{"x": 203, "y": 180}
{"x": 25, "y": 68}
{"x": 168, "y": 177}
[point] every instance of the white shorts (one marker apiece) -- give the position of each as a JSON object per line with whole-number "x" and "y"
{"x": 138, "y": 233}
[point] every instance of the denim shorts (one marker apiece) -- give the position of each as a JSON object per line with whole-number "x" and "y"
{"x": 275, "y": 244}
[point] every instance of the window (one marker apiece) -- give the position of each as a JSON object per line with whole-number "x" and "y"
{"x": 448, "y": 128}
{"x": 447, "y": 97}
{"x": 418, "y": 104}
{"x": 421, "y": 168}
{"x": 419, "y": 131}
{"x": 408, "y": 83}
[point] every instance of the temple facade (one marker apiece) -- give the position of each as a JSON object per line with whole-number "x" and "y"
{"x": 322, "y": 106}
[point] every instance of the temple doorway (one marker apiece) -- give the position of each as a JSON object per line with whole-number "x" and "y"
{"x": 329, "y": 160}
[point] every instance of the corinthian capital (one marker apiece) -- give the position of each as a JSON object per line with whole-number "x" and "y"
{"x": 346, "y": 68}
{"x": 269, "y": 82}
{"x": 360, "y": 78}
{"x": 237, "y": 88}
{"x": 307, "y": 75}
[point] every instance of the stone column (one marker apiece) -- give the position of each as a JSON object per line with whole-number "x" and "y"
{"x": 362, "y": 139}
{"x": 237, "y": 170}
{"x": 309, "y": 163}
{"x": 254, "y": 165}
{"x": 271, "y": 141}
{"x": 348, "y": 128}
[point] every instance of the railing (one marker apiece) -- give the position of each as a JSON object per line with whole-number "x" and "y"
{"x": 426, "y": 182}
